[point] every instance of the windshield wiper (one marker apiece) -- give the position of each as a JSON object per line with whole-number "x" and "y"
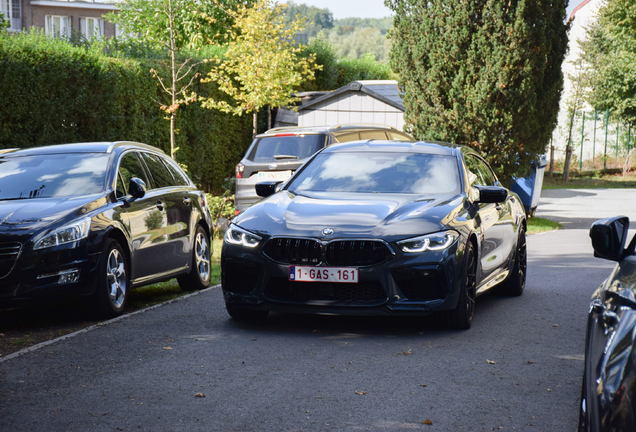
{"x": 277, "y": 157}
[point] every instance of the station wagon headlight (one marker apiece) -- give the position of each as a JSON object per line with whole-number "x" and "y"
{"x": 238, "y": 236}
{"x": 430, "y": 242}
{"x": 66, "y": 234}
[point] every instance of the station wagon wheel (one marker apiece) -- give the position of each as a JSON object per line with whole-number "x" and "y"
{"x": 112, "y": 284}
{"x": 199, "y": 276}
{"x": 516, "y": 282}
{"x": 461, "y": 318}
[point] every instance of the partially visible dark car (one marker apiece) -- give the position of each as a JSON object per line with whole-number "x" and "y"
{"x": 96, "y": 219}
{"x": 277, "y": 153}
{"x": 377, "y": 228}
{"x": 608, "y": 399}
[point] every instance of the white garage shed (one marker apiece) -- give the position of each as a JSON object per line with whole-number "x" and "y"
{"x": 358, "y": 102}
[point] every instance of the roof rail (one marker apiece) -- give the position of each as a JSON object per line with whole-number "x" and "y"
{"x": 379, "y": 125}
{"x": 3, "y": 151}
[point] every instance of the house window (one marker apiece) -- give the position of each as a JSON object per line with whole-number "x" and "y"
{"x": 92, "y": 27}
{"x": 58, "y": 26}
{"x": 15, "y": 9}
{"x": 5, "y": 9}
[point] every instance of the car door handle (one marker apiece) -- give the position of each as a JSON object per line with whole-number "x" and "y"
{"x": 187, "y": 201}
{"x": 159, "y": 205}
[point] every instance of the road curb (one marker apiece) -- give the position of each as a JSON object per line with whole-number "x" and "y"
{"x": 102, "y": 324}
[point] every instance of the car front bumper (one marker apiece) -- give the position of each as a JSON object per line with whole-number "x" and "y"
{"x": 49, "y": 274}
{"x": 404, "y": 284}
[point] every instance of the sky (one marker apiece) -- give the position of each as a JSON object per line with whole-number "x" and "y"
{"x": 371, "y": 8}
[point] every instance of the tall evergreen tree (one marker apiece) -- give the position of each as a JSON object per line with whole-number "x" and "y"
{"x": 485, "y": 73}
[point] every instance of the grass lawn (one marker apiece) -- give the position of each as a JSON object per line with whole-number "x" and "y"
{"x": 608, "y": 181}
{"x": 158, "y": 293}
{"x": 538, "y": 225}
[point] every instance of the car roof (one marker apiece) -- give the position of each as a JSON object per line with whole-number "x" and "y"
{"x": 424, "y": 147}
{"x": 90, "y": 147}
{"x": 333, "y": 129}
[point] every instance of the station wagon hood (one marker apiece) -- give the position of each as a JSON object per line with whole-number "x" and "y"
{"x": 387, "y": 216}
{"x": 37, "y": 213}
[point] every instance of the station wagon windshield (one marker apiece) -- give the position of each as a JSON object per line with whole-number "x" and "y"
{"x": 52, "y": 175}
{"x": 371, "y": 172}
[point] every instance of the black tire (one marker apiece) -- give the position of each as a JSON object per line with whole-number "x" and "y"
{"x": 461, "y": 318}
{"x": 113, "y": 281}
{"x": 199, "y": 276}
{"x": 516, "y": 281}
{"x": 242, "y": 314}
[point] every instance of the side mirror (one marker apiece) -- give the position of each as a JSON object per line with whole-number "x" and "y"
{"x": 609, "y": 237}
{"x": 491, "y": 194}
{"x": 136, "y": 189}
{"x": 268, "y": 188}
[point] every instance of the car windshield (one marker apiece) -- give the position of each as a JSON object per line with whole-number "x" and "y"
{"x": 371, "y": 172}
{"x": 282, "y": 147}
{"x": 52, "y": 175}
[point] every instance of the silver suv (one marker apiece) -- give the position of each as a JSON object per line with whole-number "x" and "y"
{"x": 277, "y": 153}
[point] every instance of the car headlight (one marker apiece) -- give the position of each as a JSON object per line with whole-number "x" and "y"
{"x": 66, "y": 234}
{"x": 238, "y": 236}
{"x": 430, "y": 242}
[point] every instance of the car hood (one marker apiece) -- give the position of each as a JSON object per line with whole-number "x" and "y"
{"x": 30, "y": 215}
{"x": 387, "y": 216}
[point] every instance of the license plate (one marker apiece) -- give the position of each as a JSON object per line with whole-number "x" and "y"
{"x": 274, "y": 175}
{"x": 323, "y": 274}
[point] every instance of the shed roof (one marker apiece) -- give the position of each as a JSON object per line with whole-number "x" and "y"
{"x": 385, "y": 90}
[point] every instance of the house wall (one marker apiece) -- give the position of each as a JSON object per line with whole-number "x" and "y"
{"x": 351, "y": 107}
{"x": 35, "y": 17}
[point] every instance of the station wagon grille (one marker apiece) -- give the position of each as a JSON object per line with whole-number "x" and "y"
{"x": 310, "y": 252}
{"x": 8, "y": 254}
{"x": 293, "y": 251}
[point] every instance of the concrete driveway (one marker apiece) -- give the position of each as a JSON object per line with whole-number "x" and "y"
{"x": 186, "y": 366}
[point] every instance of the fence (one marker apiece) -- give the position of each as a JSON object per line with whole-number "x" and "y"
{"x": 598, "y": 143}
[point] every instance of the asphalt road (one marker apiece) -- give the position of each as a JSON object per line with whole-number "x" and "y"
{"x": 518, "y": 368}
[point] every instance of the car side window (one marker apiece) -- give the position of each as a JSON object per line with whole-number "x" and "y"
{"x": 129, "y": 167}
{"x": 486, "y": 174}
{"x": 474, "y": 175}
{"x": 160, "y": 174}
{"x": 348, "y": 137}
{"x": 396, "y": 136}
{"x": 379, "y": 135}
{"x": 179, "y": 176}
{"x": 120, "y": 189}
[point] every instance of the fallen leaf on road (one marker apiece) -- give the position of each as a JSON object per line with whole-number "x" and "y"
{"x": 315, "y": 331}
{"x": 490, "y": 361}
{"x": 530, "y": 362}
{"x": 360, "y": 392}
{"x": 199, "y": 395}
{"x": 427, "y": 422}
{"x": 167, "y": 348}
{"x": 405, "y": 352}
{"x": 555, "y": 325}
{"x": 422, "y": 385}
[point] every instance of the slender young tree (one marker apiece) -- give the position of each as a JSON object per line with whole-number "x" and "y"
{"x": 485, "y": 73}
{"x": 176, "y": 26}
{"x": 261, "y": 66}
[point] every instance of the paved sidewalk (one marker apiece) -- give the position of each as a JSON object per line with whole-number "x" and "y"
{"x": 579, "y": 208}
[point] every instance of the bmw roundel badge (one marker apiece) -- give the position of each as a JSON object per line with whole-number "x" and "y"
{"x": 327, "y": 231}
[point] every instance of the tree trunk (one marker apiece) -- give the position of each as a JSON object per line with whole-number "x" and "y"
{"x": 551, "y": 172}
{"x": 568, "y": 150}
{"x": 173, "y": 65}
{"x": 255, "y": 125}
{"x": 269, "y": 117}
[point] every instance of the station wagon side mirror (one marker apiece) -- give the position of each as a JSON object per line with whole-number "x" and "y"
{"x": 268, "y": 188}
{"x": 136, "y": 189}
{"x": 491, "y": 194}
{"x": 609, "y": 237}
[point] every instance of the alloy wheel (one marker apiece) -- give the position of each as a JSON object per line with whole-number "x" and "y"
{"x": 116, "y": 278}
